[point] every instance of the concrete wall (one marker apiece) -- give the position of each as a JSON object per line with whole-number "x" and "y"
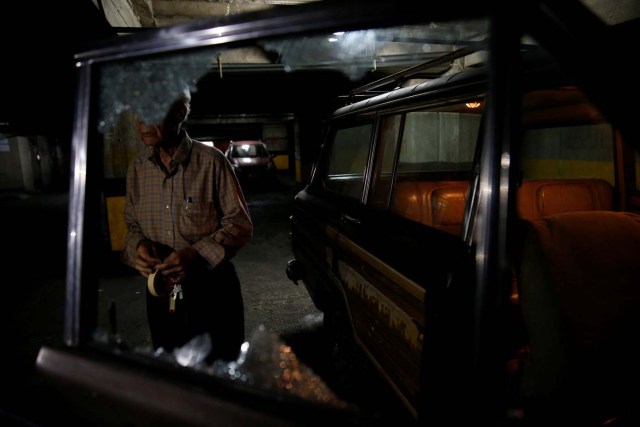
{"x": 10, "y": 165}
{"x": 614, "y": 11}
{"x": 32, "y": 164}
{"x": 120, "y": 13}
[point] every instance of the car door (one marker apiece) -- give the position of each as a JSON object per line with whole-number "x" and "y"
{"x": 394, "y": 245}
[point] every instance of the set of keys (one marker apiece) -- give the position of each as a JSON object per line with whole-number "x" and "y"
{"x": 160, "y": 287}
{"x": 176, "y": 293}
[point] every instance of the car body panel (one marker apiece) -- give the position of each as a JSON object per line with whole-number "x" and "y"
{"x": 362, "y": 268}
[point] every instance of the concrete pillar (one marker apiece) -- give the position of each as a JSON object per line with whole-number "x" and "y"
{"x": 10, "y": 165}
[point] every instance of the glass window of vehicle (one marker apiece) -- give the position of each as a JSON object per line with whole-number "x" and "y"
{"x": 437, "y": 149}
{"x": 346, "y": 162}
{"x": 143, "y": 81}
{"x": 428, "y": 151}
{"x": 438, "y": 141}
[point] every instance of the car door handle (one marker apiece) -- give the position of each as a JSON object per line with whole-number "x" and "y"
{"x": 346, "y": 219}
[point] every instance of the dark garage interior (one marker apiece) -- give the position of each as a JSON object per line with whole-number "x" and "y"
{"x": 248, "y": 94}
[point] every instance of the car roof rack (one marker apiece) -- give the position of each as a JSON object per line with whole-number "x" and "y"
{"x": 397, "y": 79}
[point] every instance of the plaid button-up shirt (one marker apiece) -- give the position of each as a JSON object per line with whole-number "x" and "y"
{"x": 198, "y": 203}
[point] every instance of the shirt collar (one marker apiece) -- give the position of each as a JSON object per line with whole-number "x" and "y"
{"x": 183, "y": 153}
{"x": 181, "y": 156}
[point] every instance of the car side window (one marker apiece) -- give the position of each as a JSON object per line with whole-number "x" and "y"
{"x": 435, "y": 141}
{"x": 434, "y": 165}
{"x": 347, "y": 160}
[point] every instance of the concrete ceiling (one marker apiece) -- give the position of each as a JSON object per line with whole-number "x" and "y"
{"x": 131, "y": 14}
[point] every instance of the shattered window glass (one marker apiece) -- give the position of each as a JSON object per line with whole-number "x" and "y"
{"x": 145, "y": 87}
{"x": 149, "y": 86}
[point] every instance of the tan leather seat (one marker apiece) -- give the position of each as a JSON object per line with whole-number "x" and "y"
{"x": 542, "y": 197}
{"x": 537, "y": 198}
{"x": 579, "y": 286}
{"x": 438, "y": 204}
{"x": 447, "y": 207}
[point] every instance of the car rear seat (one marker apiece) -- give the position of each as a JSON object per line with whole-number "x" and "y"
{"x": 539, "y": 198}
{"x": 439, "y": 204}
{"x": 577, "y": 289}
{"x": 543, "y": 197}
{"x": 579, "y": 284}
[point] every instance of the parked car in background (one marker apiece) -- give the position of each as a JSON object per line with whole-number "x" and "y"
{"x": 251, "y": 161}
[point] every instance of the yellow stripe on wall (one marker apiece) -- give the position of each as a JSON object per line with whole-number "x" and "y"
{"x": 115, "y": 218}
{"x": 298, "y": 171}
{"x": 281, "y": 162}
{"x": 558, "y": 169}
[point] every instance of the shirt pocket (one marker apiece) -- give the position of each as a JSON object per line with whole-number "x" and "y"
{"x": 196, "y": 220}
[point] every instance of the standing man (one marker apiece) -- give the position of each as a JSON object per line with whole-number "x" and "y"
{"x": 186, "y": 218}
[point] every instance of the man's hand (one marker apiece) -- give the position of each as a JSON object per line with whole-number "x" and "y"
{"x": 180, "y": 264}
{"x": 146, "y": 258}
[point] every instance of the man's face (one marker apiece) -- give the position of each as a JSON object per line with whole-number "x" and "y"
{"x": 150, "y": 135}
{"x": 153, "y": 134}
